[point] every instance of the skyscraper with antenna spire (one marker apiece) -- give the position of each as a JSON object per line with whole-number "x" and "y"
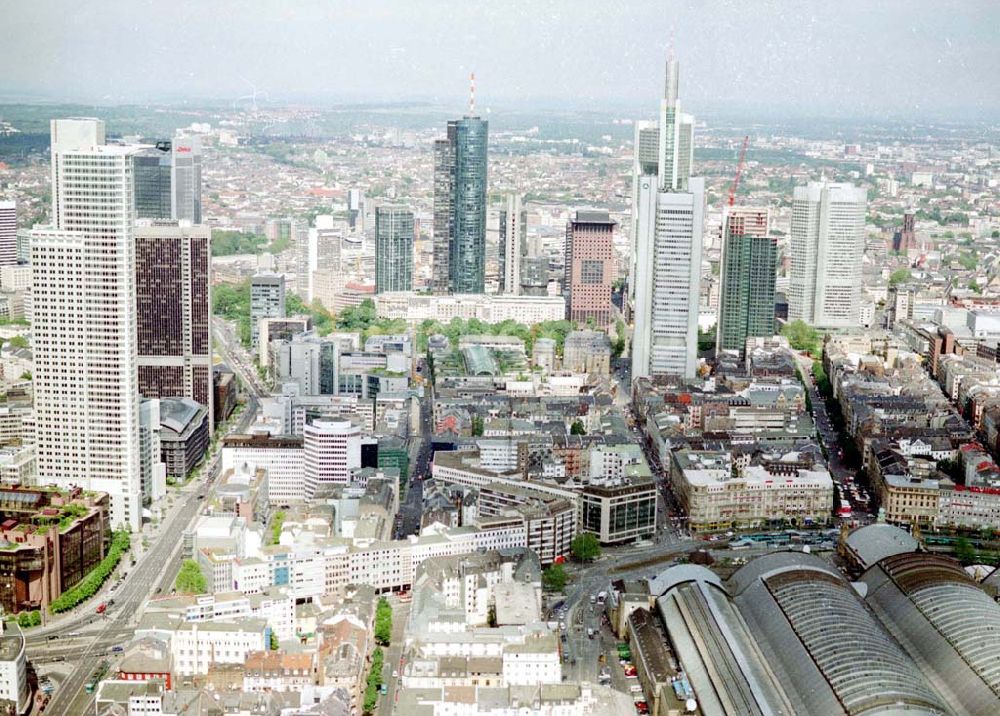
{"x": 460, "y": 203}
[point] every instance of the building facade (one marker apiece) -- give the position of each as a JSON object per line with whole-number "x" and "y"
{"x": 8, "y": 233}
{"x": 460, "y": 207}
{"x": 827, "y": 239}
{"x": 668, "y": 280}
{"x": 590, "y": 267}
{"x": 749, "y": 269}
{"x": 267, "y": 300}
{"x": 393, "y": 249}
{"x": 332, "y": 449}
{"x": 86, "y": 377}
{"x": 513, "y": 243}
{"x": 173, "y": 311}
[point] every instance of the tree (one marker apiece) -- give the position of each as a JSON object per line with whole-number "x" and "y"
{"x": 190, "y": 580}
{"x": 585, "y": 547}
{"x": 554, "y": 578}
{"x": 19, "y": 342}
{"x": 901, "y": 275}
{"x": 478, "y": 426}
{"x": 964, "y": 551}
{"x": 577, "y": 428}
{"x": 801, "y": 336}
{"x": 383, "y": 622}
{"x": 274, "y": 642}
{"x": 374, "y": 681}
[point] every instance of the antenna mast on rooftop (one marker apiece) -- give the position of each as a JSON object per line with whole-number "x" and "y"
{"x": 472, "y": 93}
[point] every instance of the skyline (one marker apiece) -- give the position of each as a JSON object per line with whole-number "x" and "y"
{"x": 800, "y": 58}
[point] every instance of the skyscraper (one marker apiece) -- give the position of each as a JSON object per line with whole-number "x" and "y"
{"x": 267, "y": 300}
{"x": 173, "y": 311}
{"x": 667, "y": 279}
{"x": 749, "y": 267}
{"x": 8, "y": 233}
{"x": 168, "y": 180}
{"x": 393, "y": 249}
{"x": 827, "y": 241}
{"x": 590, "y": 267}
{"x": 513, "y": 240}
{"x": 86, "y": 392}
{"x": 663, "y": 149}
{"x": 332, "y": 449}
{"x": 460, "y": 207}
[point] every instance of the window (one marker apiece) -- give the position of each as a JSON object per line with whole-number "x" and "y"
{"x": 591, "y": 272}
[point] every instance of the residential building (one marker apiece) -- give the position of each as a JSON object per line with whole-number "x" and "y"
{"x": 14, "y": 668}
{"x": 667, "y": 280}
{"x": 590, "y": 267}
{"x": 173, "y": 311}
{"x": 827, "y": 239}
{"x": 197, "y": 646}
{"x": 513, "y": 243}
{"x": 83, "y": 332}
{"x": 267, "y": 300}
{"x": 393, "y": 249}
{"x": 749, "y": 268}
{"x": 460, "y": 207}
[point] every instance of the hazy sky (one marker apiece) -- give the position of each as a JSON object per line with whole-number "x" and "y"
{"x": 851, "y": 57}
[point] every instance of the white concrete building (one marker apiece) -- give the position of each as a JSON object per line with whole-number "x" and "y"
{"x": 513, "y": 240}
{"x": 668, "y": 279}
{"x": 281, "y": 456}
{"x": 415, "y": 308}
{"x": 332, "y": 448}
{"x": 83, "y": 282}
{"x": 196, "y": 646}
{"x": 827, "y": 239}
{"x": 13, "y": 667}
{"x": 267, "y": 300}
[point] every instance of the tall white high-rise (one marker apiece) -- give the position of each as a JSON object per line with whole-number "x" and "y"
{"x": 332, "y": 448}
{"x": 8, "y": 233}
{"x": 667, "y": 279}
{"x": 827, "y": 241}
{"x": 86, "y": 390}
{"x": 513, "y": 243}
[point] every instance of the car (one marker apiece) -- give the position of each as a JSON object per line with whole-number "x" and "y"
{"x": 395, "y": 673}
{"x": 641, "y": 707}
{"x": 102, "y": 607}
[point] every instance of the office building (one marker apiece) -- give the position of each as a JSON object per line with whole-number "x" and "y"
{"x": 460, "y": 207}
{"x": 167, "y": 180}
{"x": 590, "y": 267}
{"x": 86, "y": 377}
{"x": 8, "y": 233}
{"x": 749, "y": 269}
{"x": 513, "y": 243}
{"x": 393, "y": 249}
{"x": 827, "y": 241}
{"x": 173, "y": 310}
{"x": 331, "y": 450}
{"x": 267, "y": 300}
{"x": 667, "y": 280}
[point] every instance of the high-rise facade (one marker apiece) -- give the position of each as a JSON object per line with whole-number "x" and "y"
{"x": 460, "y": 207}
{"x": 393, "y": 249}
{"x": 173, "y": 310}
{"x": 8, "y": 233}
{"x": 267, "y": 300}
{"x": 663, "y": 149}
{"x": 590, "y": 267}
{"x": 667, "y": 279}
{"x": 86, "y": 391}
{"x": 513, "y": 243}
{"x": 827, "y": 241}
{"x": 167, "y": 180}
{"x": 749, "y": 268}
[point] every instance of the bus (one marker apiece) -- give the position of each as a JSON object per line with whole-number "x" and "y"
{"x": 99, "y": 673}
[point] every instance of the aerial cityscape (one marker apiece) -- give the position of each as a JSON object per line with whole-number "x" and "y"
{"x": 499, "y": 359}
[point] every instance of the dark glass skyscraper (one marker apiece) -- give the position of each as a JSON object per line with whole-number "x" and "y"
{"x": 393, "y": 249}
{"x": 167, "y": 181}
{"x": 460, "y": 207}
{"x": 749, "y": 266}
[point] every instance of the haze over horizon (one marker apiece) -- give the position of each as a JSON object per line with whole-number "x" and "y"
{"x": 919, "y": 59}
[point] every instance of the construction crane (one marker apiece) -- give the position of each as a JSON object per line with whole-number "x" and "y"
{"x": 739, "y": 170}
